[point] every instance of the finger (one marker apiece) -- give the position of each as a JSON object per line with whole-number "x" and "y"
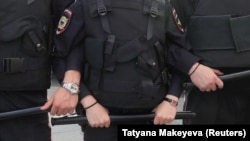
{"x": 47, "y": 105}
{"x": 213, "y": 87}
{"x": 61, "y": 111}
{"x": 70, "y": 111}
{"x": 202, "y": 90}
{"x": 156, "y": 121}
{"x": 54, "y": 110}
{"x": 218, "y": 72}
{"x": 219, "y": 83}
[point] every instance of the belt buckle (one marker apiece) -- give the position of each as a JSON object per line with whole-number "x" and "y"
{"x": 13, "y": 65}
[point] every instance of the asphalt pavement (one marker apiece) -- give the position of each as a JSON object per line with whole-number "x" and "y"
{"x": 73, "y": 132}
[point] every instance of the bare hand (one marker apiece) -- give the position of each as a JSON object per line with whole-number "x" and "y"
{"x": 164, "y": 113}
{"x": 61, "y": 102}
{"x": 98, "y": 116}
{"x": 206, "y": 79}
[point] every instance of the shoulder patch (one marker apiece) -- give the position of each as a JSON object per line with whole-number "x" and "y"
{"x": 177, "y": 20}
{"x": 64, "y": 21}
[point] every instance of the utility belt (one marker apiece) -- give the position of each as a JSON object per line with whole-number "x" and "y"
{"x": 24, "y": 74}
{"x": 221, "y": 41}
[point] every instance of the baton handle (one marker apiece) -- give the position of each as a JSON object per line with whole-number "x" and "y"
{"x": 117, "y": 118}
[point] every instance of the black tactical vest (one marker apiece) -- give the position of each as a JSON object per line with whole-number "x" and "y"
{"x": 219, "y": 32}
{"x": 125, "y": 51}
{"x": 24, "y": 44}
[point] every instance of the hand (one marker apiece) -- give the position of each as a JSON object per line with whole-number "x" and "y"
{"x": 165, "y": 112}
{"x": 61, "y": 102}
{"x": 97, "y": 115}
{"x": 206, "y": 79}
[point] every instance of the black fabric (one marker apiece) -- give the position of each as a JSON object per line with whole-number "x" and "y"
{"x": 241, "y": 32}
{"x": 220, "y": 40}
{"x": 28, "y": 128}
{"x": 217, "y": 33}
{"x": 124, "y": 62}
{"x": 227, "y": 106}
{"x": 25, "y": 45}
{"x": 58, "y": 8}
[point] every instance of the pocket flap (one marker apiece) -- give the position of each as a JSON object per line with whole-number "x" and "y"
{"x": 241, "y": 32}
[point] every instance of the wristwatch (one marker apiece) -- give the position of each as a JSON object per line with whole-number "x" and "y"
{"x": 171, "y": 101}
{"x": 72, "y": 88}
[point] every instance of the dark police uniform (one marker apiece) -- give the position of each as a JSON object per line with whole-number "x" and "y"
{"x": 220, "y": 27}
{"x": 24, "y": 67}
{"x": 58, "y": 7}
{"x": 74, "y": 33}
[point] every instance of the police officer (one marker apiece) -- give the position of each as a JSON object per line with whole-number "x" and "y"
{"x": 122, "y": 73}
{"x": 217, "y": 28}
{"x": 25, "y": 67}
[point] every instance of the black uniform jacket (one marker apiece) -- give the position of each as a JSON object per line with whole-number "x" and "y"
{"x": 69, "y": 43}
{"x": 188, "y": 8}
{"x": 58, "y": 8}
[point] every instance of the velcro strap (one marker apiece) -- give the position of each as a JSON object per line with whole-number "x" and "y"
{"x": 109, "y": 56}
{"x": 153, "y": 13}
{"x": 151, "y": 8}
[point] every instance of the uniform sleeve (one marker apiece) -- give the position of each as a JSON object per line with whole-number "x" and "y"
{"x": 180, "y": 58}
{"x": 68, "y": 52}
{"x": 176, "y": 85}
{"x": 58, "y": 8}
{"x": 179, "y": 48}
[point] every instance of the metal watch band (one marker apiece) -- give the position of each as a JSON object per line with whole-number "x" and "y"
{"x": 72, "y": 88}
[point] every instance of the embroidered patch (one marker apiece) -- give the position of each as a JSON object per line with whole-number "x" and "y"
{"x": 64, "y": 21}
{"x": 177, "y": 20}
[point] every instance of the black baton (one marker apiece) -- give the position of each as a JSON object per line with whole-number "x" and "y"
{"x": 22, "y": 112}
{"x": 117, "y": 118}
{"x": 227, "y": 77}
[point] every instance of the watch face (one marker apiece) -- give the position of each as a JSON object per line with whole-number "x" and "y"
{"x": 71, "y": 87}
{"x": 74, "y": 88}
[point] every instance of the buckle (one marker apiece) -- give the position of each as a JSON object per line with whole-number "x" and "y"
{"x": 13, "y": 65}
{"x": 154, "y": 9}
{"x": 102, "y": 10}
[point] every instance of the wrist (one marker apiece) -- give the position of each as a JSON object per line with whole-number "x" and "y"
{"x": 193, "y": 69}
{"x": 88, "y": 100}
{"x": 172, "y": 100}
{"x": 72, "y": 88}
{"x": 93, "y": 104}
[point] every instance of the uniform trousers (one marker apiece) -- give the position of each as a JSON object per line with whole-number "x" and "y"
{"x": 26, "y": 128}
{"x": 229, "y": 105}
